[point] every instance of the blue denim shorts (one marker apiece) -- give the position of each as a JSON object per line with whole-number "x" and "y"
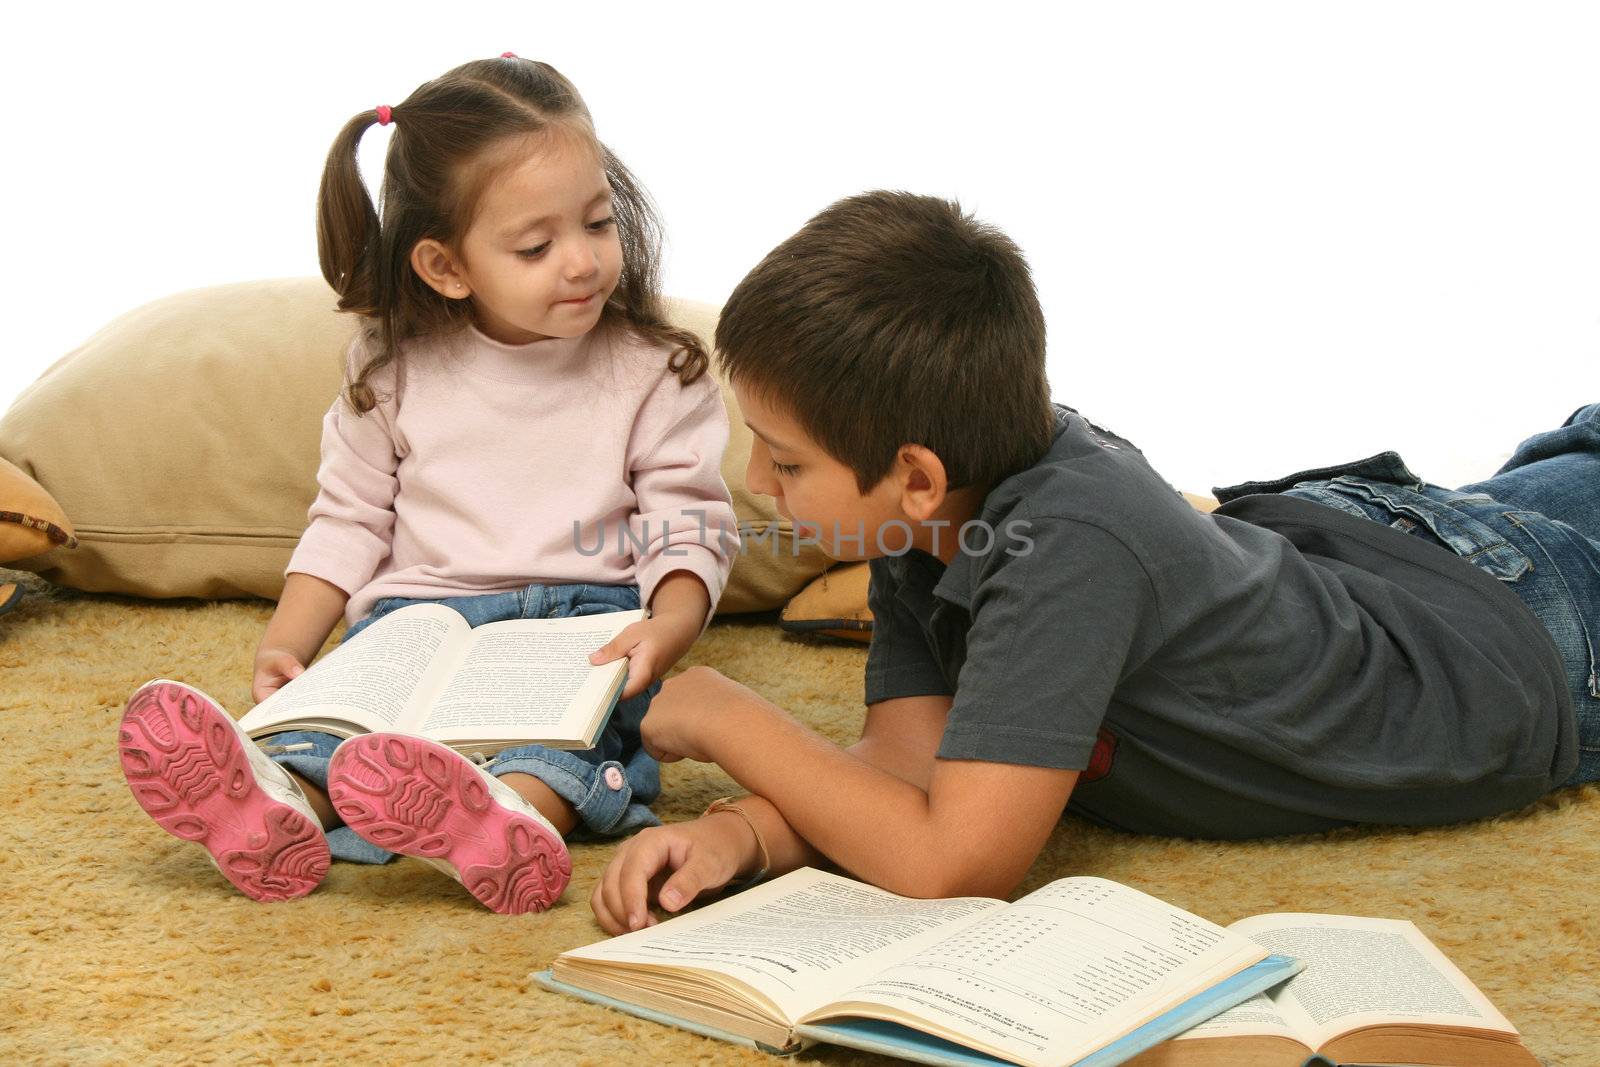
{"x": 609, "y": 785}
{"x": 1535, "y": 525}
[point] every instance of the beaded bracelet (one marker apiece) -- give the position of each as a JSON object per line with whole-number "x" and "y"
{"x": 731, "y": 804}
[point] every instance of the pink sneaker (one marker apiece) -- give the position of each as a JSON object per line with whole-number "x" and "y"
{"x": 201, "y": 778}
{"x": 412, "y": 796}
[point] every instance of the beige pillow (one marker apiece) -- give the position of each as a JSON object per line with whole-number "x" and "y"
{"x": 206, "y": 409}
{"x": 31, "y": 522}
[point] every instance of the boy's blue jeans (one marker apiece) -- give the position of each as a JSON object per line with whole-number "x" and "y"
{"x": 608, "y": 785}
{"x": 1534, "y": 525}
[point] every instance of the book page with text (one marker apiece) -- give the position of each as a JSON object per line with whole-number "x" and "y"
{"x": 1364, "y": 972}
{"x": 798, "y": 939}
{"x": 529, "y": 679}
{"x": 375, "y": 679}
{"x": 1256, "y": 1016}
{"x": 1060, "y": 972}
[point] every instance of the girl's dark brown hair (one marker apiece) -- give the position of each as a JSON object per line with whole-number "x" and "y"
{"x": 430, "y": 189}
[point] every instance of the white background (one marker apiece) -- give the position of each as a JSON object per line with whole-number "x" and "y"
{"x": 1266, "y": 235}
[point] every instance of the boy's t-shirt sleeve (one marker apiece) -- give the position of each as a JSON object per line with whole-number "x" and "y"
{"x": 900, "y": 662}
{"x": 1053, "y": 630}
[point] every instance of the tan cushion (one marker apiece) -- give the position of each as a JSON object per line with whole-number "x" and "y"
{"x": 31, "y": 521}
{"x": 183, "y": 439}
{"x": 833, "y": 605}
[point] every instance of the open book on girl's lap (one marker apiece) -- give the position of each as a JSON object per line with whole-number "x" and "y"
{"x": 1083, "y": 971}
{"x": 424, "y": 670}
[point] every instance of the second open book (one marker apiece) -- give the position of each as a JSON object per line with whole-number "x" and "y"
{"x": 1081, "y": 971}
{"x": 1374, "y": 991}
{"x": 424, "y": 670}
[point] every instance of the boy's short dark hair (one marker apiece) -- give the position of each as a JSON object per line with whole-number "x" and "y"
{"x": 893, "y": 319}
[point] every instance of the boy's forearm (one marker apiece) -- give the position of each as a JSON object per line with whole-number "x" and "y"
{"x": 786, "y": 850}
{"x": 306, "y": 614}
{"x": 877, "y": 826}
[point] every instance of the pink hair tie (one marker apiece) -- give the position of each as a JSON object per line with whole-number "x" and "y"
{"x": 385, "y": 113}
{"x": 508, "y": 55}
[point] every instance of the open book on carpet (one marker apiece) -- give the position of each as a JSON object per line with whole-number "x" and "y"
{"x": 1082, "y": 971}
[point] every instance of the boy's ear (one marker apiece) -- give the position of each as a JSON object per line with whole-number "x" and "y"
{"x": 923, "y": 485}
{"x": 438, "y": 266}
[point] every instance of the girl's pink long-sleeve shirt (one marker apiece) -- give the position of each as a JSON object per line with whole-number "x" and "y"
{"x": 494, "y": 466}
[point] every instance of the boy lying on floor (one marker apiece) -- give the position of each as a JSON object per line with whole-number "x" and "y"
{"x": 1055, "y": 628}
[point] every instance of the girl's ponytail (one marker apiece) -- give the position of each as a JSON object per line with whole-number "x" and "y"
{"x": 347, "y": 223}
{"x": 350, "y": 251}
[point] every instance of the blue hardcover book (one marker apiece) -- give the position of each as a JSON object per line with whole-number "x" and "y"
{"x": 1082, "y": 972}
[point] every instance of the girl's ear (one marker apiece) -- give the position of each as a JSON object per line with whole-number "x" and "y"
{"x": 438, "y": 266}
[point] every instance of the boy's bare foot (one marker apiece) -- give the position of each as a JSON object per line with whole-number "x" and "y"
{"x": 202, "y": 779}
{"x": 412, "y": 796}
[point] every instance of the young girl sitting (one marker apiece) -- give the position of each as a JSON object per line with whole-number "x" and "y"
{"x": 518, "y": 420}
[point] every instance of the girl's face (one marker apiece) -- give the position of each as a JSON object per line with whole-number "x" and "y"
{"x": 541, "y": 256}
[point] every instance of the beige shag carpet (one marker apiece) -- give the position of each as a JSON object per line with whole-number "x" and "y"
{"x": 123, "y": 945}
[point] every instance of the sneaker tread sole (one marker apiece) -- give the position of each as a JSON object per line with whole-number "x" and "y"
{"x": 417, "y": 798}
{"x": 185, "y": 763}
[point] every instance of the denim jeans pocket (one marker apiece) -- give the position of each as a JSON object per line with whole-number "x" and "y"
{"x": 604, "y": 599}
{"x": 1328, "y": 498}
{"x": 1569, "y": 602}
{"x": 383, "y": 606}
{"x": 1473, "y": 540}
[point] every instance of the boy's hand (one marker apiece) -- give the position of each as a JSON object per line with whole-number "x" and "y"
{"x": 677, "y": 862}
{"x": 694, "y": 709}
{"x": 652, "y": 646}
{"x": 274, "y": 668}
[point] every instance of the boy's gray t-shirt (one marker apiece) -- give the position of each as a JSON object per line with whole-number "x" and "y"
{"x": 1278, "y": 667}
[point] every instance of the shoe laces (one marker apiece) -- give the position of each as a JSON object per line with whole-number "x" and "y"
{"x": 280, "y": 750}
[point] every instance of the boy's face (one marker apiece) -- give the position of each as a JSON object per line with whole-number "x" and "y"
{"x": 815, "y": 490}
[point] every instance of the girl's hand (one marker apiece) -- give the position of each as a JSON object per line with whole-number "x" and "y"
{"x": 306, "y": 613}
{"x": 674, "y": 863}
{"x": 273, "y": 670}
{"x": 652, "y": 647}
